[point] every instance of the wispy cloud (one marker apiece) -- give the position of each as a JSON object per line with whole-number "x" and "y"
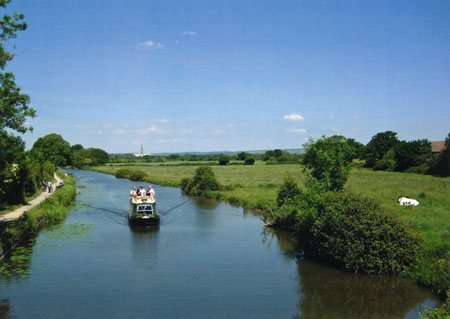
{"x": 294, "y": 117}
{"x": 296, "y": 130}
{"x": 151, "y": 44}
{"x": 191, "y": 33}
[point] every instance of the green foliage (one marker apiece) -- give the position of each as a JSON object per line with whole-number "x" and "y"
{"x": 137, "y": 175}
{"x": 441, "y": 166}
{"x": 330, "y": 161}
{"x": 48, "y": 170}
{"x": 52, "y": 210}
{"x": 224, "y": 159}
{"x": 123, "y": 173}
{"x": 52, "y": 148}
{"x": 379, "y": 145}
{"x": 250, "y": 160}
{"x": 89, "y": 157}
{"x": 242, "y": 156}
{"x": 204, "y": 181}
{"x": 350, "y": 231}
{"x": 288, "y": 190}
{"x": 413, "y": 154}
{"x": 387, "y": 163}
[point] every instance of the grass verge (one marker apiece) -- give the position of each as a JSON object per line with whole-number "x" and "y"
{"x": 52, "y": 211}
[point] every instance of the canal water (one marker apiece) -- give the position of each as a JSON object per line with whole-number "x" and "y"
{"x": 207, "y": 259}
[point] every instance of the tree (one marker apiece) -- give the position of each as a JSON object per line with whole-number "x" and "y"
{"x": 76, "y": 148}
{"x": 224, "y": 159}
{"x": 329, "y": 160}
{"x": 442, "y": 166}
{"x": 250, "y": 160}
{"x": 52, "y": 148}
{"x": 277, "y": 152}
{"x": 379, "y": 145}
{"x": 14, "y": 111}
{"x": 241, "y": 156}
{"x": 413, "y": 154}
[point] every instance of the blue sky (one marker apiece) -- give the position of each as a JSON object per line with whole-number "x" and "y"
{"x": 233, "y": 75}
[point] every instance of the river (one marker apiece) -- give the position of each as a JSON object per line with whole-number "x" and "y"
{"x": 207, "y": 259}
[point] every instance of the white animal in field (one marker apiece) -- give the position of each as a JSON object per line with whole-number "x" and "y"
{"x": 407, "y": 201}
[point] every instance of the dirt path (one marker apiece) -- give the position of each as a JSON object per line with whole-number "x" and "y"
{"x": 19, "y": 211}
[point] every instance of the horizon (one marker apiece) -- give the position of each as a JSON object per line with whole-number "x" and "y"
{"x": 201, "y": 76}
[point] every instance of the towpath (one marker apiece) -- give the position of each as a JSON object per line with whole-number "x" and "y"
{"x": 21, "y": 210}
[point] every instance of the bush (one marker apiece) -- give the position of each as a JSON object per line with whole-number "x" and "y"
{"x": 123, "y": 173}
{"x": 355, "y": 233}
{"x": 287, "y": 191}
{"x": 137, "y": 175}
{"x": 250, "y": 160}
{"x": 421, "y": 169}
{"x": 203, "y": 182}
{"x": 224, "y": 159}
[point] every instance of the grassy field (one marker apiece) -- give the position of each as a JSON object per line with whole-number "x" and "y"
{"x": 257, "y": 186}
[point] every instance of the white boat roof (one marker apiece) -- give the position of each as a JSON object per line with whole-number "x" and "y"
{"x": 142, "y": 200}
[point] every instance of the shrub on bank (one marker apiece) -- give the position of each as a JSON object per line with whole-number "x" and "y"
{"x": 203, "y": 182}
{"x": 123, "y": 173}
{"x": 347, "y": 230}
{"x": 137, "y": 175}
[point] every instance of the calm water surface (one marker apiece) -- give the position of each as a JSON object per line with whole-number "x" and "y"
{"x": 207, "y": 259}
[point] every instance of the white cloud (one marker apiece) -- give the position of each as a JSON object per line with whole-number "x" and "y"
{"x": 191, "y": 33}
{"x": 162, "y": 120}
{"x": 151, "y": 44}
{"x": 148, "y": 130}
{"x": 332, "y": 116}
{"x": 296, "y": 130}
{"x": 294, "y": 117}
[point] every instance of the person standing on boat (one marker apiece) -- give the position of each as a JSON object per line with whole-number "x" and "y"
{"x": 151, "y": 192}
{"x": 141, "y": 191}
{"x": 133, "y": 192}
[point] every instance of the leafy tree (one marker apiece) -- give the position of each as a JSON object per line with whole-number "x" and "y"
{"x": 250, "y": 160}
{"x": 76, "y": 148}
{"x": 52, "y": 148}
{"x": 442, "y": 165}
{"x": 14, "y": 110}
{"x": 277, "y": 153}
{"x": 329, "y": 160}
{"x": 242, "y": 156}
{"x": 287, "y": 191}
{"x": 387, "y": 163}
{"x": 204, "y": 181}
{"x": 412, "y": 154}
{"x": 224, "y": 159}
{"x": 379, "y": 145}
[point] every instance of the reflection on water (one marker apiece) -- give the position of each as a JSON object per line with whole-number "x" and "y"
{"x": 327, "y": 292}
{"x": 5, "y": 309}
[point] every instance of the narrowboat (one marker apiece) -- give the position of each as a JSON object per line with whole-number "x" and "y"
{"x": 142, "y": 211}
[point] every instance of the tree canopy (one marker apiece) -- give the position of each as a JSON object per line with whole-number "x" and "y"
{"x": 329, "y": 160}
{"x": 379, "y": 145}
{"x": 52, "y": 148}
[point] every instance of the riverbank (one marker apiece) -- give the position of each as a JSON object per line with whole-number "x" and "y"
{"x": 256, "y": 187}
{"x": 51, "y": 211}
